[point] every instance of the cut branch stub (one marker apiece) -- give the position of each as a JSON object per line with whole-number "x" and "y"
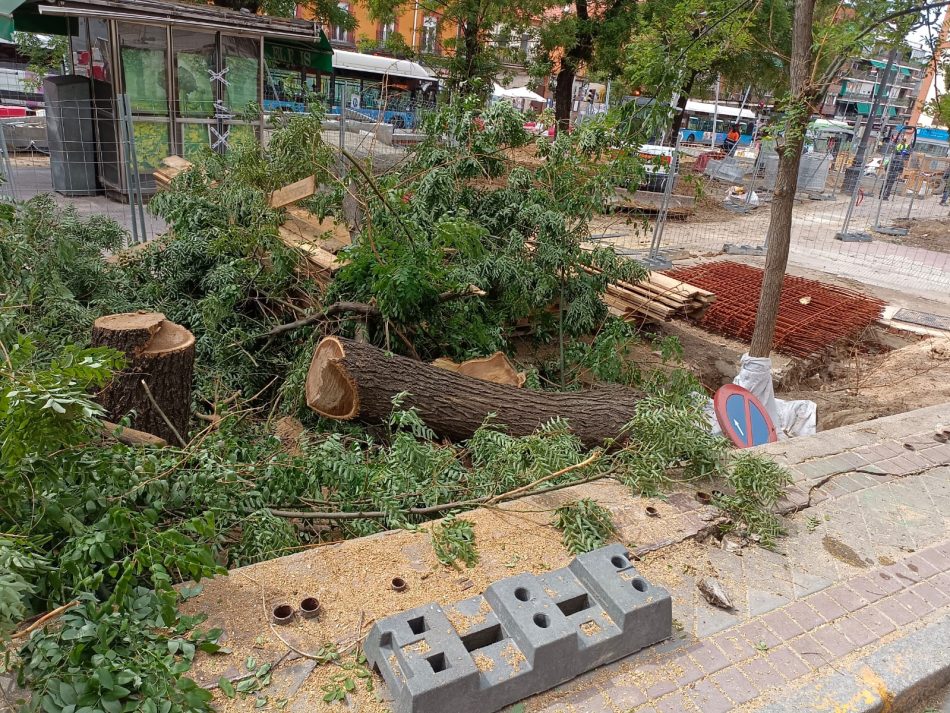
{"x": 158, "y": 352}
{"x": 350, "y": 380}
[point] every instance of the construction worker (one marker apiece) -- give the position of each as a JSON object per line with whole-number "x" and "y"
{"x": 732, "y": 138}
{"x": 946, "y": 186}
{"x": 895, "y": 168}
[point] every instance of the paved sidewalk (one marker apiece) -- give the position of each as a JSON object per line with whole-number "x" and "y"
{"x": 866, "y": 563}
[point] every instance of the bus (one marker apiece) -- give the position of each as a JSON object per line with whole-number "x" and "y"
{"x": 373, "y": 87}
{"x": 931, "y": 140}
{"x": 698, "y": 128}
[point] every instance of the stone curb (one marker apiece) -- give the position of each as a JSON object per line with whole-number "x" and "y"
{"x": 892, "y": 678}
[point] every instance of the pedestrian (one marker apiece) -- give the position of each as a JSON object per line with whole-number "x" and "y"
{"x": 732, "y": 138}
{"x": 946, "y": 185}
{"x": 895, "y": 168}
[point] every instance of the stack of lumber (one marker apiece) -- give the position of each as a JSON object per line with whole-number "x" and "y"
{"x": 657, "y": 298}
{"x": 171, "y": 167}
{"x": 318, "y": 241}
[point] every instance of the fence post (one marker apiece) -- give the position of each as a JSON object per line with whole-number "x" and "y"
{"x": 124, "y": 134}
{"x": 138, "y": 206}
{"x": 654, "y": 260}
{"x": 877, "y": 227}
{"x": 7, "y": 164}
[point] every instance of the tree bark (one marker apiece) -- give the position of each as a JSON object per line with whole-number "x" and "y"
{"x": 348, "y": 380}
{"x": 577, "y": 55}
{"x": 779, "y": 234}
{"x": 159, "y": 353}
{"x": 563, "y": 97}
{"x": 681, "y": 106}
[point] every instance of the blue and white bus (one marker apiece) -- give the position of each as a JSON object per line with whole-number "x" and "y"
{"x": 375, "y": 87}
{"x": 698, "y": 123}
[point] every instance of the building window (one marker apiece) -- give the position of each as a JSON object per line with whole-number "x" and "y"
{"x": 341, "y": 34}
{"x": 386, "y": 30}
{"x": 430, "y": 35}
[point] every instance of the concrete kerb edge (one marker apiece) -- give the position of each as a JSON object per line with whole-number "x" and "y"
{"x": 892, "y": 678}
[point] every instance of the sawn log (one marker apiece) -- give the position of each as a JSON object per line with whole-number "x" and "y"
{"x": 350, "y": 380}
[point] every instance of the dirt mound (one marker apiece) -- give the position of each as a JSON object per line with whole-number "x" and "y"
{"x": 868, "y": 386}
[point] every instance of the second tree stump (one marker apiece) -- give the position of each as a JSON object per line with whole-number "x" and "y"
{"x": 162, "y": 355}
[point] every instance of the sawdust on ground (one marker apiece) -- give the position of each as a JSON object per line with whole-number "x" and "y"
{"x": 352, "y": 581}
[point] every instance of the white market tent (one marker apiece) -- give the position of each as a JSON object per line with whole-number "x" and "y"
{"x": 517, "y": 93}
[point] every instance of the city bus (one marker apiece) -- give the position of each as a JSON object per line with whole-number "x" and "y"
{"x": 370, "y": 86}
{"x": 697, "y": 124}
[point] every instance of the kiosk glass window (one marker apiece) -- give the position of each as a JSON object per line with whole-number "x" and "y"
{"x": 195, "y": 61}
{"x": 144, "y": 52}
{"x": 242, "y": 63}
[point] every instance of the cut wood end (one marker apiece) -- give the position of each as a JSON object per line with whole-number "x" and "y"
{"x": 130, "y": 322}
{"x": 169, "y": 338}
{"x": 331, "y": 391}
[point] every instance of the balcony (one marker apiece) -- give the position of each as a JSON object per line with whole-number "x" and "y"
{"x": 898, "y": 103}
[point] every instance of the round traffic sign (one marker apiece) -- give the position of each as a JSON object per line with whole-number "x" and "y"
{"x": 742, "y": 417}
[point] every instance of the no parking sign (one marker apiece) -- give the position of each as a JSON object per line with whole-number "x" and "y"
{"x": 742, "y": 417}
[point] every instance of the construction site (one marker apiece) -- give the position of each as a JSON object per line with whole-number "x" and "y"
{"x": 308, "y": 409}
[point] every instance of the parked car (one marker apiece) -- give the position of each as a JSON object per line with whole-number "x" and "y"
{"x": 657, "y": 166}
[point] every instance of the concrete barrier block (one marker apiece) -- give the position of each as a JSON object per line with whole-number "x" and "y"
{"x": 644, "y": 612}
{"x": 525, "y": 635}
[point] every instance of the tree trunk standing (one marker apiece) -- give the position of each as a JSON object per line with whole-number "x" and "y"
{"x": 578, "y": 54}
{"x": 780, "y": 223}
{"x": 563, "y": 96}
{"x": 681, "y": 107}
{"x": 158, "y": 352}
{"x": 348, "y": 380}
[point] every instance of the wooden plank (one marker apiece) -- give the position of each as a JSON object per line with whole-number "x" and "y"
{"x": 309, "y": 225}
{"x": 304, "y": 188}
{"x": 177, "y": 162}
{"x": 671, "y": 284}
{"x": 314, "y": 253}
{"x": 653, "y": 201}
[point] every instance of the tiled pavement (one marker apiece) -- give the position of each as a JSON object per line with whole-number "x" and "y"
{"x": 867, "y": 561}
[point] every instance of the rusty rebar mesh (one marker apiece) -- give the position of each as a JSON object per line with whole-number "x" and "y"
{"x": 812, "y": 316}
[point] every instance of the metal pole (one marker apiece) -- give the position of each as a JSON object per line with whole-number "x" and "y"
{"x": 607, "y": 96}
{"x": 715, "y": 114}
{"x": 880, "y": 200}
{"x": 342, "y": 129}
{"x": 136, "y": 176}
{"x": 124, "y": 139}
{"x": 7, "y": 165}
{"x": 852, "y": 175}
{"x": 665, "y": 204}
{"x": 913, "y": 195}
{"x": 755, "y": 173}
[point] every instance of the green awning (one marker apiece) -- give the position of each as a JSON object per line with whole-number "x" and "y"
{"x": 905, "y": 71}
{"x": 878, "y": 64}
{"x": 299, "y": 55}
{"x": 21, "y": 16}
{"x": 864, "y": 108}
{"x": 891, "y": 111}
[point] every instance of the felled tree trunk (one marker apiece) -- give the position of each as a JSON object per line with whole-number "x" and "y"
{"x": 348, "y": 380}
{"x": 162, "y": 355}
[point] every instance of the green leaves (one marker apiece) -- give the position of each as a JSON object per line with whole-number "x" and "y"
{"x": 584, "y": 525}
{"x": 757, "y": 484}
{"x": 454, "y": 540}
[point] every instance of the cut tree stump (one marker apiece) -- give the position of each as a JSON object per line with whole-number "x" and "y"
{"x": 350, "y": 380}
{"x": 162, "y": 355}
